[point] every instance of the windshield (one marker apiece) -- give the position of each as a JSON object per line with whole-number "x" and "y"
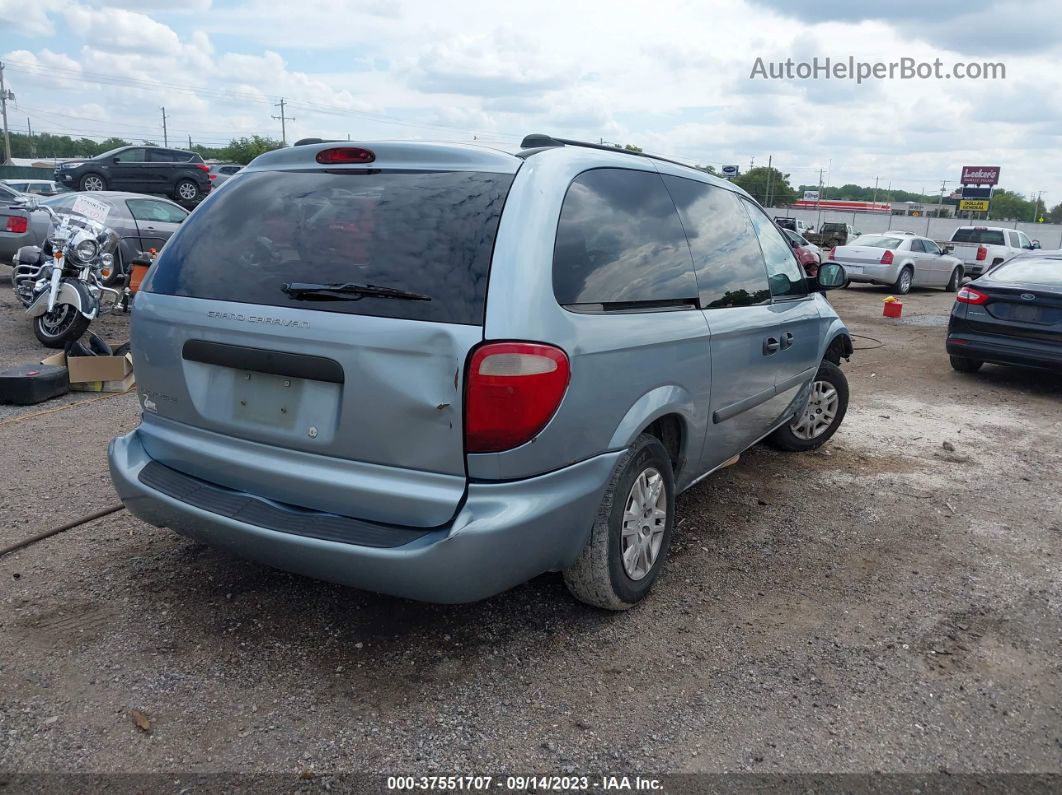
{"x": 425, "y": 232}
{"x": 990, "y": 237}
{"x": 1035, "y": 270}
{"x": 878, "y": 241}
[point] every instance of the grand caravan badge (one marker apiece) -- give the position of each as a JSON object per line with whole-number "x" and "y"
{"x": 270, "y": 321}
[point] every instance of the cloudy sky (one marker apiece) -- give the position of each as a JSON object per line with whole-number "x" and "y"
{"x": 671, "y": 76}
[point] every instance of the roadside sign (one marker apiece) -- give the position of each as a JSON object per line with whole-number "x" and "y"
{"x": 811, "y": 195}
{"x": 969, "y": 192}
{"x": 974, "y": 205}
{"x": 979, "y": 175}
{"x": 731, "y": 171}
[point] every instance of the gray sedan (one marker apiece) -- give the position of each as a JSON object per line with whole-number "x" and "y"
{"x": 142, "y": 222}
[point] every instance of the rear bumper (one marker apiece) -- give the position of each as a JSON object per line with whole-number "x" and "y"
{"x": 880, "y": 274}
{"x": 999, "y": 350}
{"x": 504, "y": 534}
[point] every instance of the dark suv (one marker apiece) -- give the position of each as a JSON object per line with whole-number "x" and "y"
{"x": 140, "y": 169}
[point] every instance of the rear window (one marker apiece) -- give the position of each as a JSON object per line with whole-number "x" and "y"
{"x": 877, "y": 241}
{"x": 990, "y": 237}
{"x": 430, "y": 233}
{"x": 1030, "y": 271}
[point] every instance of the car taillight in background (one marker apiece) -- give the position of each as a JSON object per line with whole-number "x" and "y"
{"x": 202, "y": 166}
{"x": 17, "y": 224}
{"x": 968, "y": 295}
{"x": 982, "y": 252}
{"x": 513, "y": 390}
{"x": 830, "y": 255}
{"x": 886, "y": 258}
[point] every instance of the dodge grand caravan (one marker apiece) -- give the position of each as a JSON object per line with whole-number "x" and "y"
{"x": 438, "y": 370}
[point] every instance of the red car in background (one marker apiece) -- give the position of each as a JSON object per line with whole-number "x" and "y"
{"x": 807, "y": 254}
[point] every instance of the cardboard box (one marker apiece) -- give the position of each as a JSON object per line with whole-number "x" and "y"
{"x": 97, "y": 373}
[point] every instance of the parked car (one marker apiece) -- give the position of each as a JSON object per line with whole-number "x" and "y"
{"x": 18, "y": 227}
{"x": 463, "y": 367}
{"x": 219, "y": 172}
{"x": 142, "y": 222}
{"x": 984, "y": 247}
{"x": 793, "y": 224}
{"x": 900, "y": 260}
{"x": 806, "y": 253}
{"x": 1010, "y": 315}
{"x": 833, "y": 233}
{"x": 143, "y": 169}
{"x": 39, "y": 187}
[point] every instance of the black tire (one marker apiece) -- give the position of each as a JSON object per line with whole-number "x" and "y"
{"x": 900, "y": 287}
{"x": 599, "y": 577}
{"x": 92, "y": 181}
{"x": 69, "y": 332}
{"x": 785, "y": 438}
{"x": 954, "y": 281}
{"x": 964, "y": 365}
{"x": 185, "y": 186}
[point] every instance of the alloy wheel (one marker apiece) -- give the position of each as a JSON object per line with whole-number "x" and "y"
{"x": 644, "y": 522}
{"x": 820, "y": 413}
{"x": 187, "y": 191}
{"x": 92, "y": 182}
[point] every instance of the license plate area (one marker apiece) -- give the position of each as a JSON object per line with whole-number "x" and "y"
{"x": 263, "y": 399}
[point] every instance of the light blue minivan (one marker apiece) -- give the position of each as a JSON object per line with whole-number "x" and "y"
{"x": 439, "y": 370}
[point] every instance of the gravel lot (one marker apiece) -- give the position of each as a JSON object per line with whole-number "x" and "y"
{"x": 884, "y": 604}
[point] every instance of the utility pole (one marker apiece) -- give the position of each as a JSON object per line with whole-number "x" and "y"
{"x": 165, "y": 135}
{"x": 33, "y": 149}
{"x": 940, "y": 203}
{"x": 283, "y": 122}
{"x": 888, "y": 200}
{"x": 767, "y": 192}
{"x": 5, "y": 95}
{"x": 1036, "y": 206}
{"x": 875, "y": 200}
{"x": 189, "y": 140}
{"x": 818, "y": 205}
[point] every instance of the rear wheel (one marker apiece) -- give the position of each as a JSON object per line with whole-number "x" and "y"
{"x": 62, "y": 325}
{"x": 822, "y": 416}
{"x": 964, "y": 365}
{"x": 903, "y": 281}
{"x": 632, "y": 533}
{"x": 953, "y": 282}
{"x": 92, "y": 182}
{"x": 185, "y": 190}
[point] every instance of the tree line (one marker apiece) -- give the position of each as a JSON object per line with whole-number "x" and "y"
{"x": 45, "y": 145}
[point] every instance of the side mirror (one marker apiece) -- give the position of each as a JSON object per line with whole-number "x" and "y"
{"x": 1036, "y": 244}
{"x": 948, "y": 249}
{"x": 115, "y": 160}
{"x": 831, "y": 276}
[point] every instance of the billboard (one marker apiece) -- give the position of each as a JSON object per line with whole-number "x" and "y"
{"x": 974, "y": 205}
{"x": 731, "y": 171}
{"x": 976, "y": 193}
{"x": 980, "y": 175}
{"x": 811, "y": 195}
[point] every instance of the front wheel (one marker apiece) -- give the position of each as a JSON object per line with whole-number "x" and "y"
{"x": 632, "y": 532}
{"x": 903, "y": 282}
{"x": 62, "y": 325}
{"x": 822, "y": 416}
{"x": 92, "y": 182}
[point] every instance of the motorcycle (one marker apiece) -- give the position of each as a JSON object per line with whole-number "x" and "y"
{"x": 61, "y": 284}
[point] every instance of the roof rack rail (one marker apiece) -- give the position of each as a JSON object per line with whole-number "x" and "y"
{"x": 542, "y": 141}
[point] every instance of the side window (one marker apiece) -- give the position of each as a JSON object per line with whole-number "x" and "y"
{"x": 130, "y": 156}
{"x": 1023, "y": 240}
{"x": 931, "y": 248}
{"x": 619, "y": 240}
{"x": 229, "y": 169}
{"x": 783, "y": 272}
{"x": 161, "y": 156}
{"x": 916, "y": 246}
{"x": 151, "y": 210}
{"x": 726, "y": 255}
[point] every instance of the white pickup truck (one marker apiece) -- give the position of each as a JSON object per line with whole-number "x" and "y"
{"x": 984, "y": 247}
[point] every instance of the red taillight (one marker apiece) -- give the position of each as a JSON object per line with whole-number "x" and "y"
{"x": 968, "y": 295}
{"x": 344, "y": 154}
{"x": 830, "y": 256}
{"x": 17, "y": 224}
{"x": 213, "y": 176}
{"x": 202, "y": 166}
{"x": 982, "y": 252}
{"x": 513, "y": 390}
{"x": 886, "y": 258}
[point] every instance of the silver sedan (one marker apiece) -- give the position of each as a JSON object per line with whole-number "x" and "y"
{"x": 899, "y": 260}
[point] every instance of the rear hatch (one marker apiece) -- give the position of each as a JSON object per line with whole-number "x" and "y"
{"x": 967, "y": 240}
{"x": 337, "y": 401}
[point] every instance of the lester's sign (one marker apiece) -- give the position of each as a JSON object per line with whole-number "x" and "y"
{"x": 980, "y": 175}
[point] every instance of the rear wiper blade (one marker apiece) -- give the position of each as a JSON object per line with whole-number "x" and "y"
{"x": 347, "y": 291}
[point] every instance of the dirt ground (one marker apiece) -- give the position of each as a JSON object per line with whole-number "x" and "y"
{"x": 884, "y": 604}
